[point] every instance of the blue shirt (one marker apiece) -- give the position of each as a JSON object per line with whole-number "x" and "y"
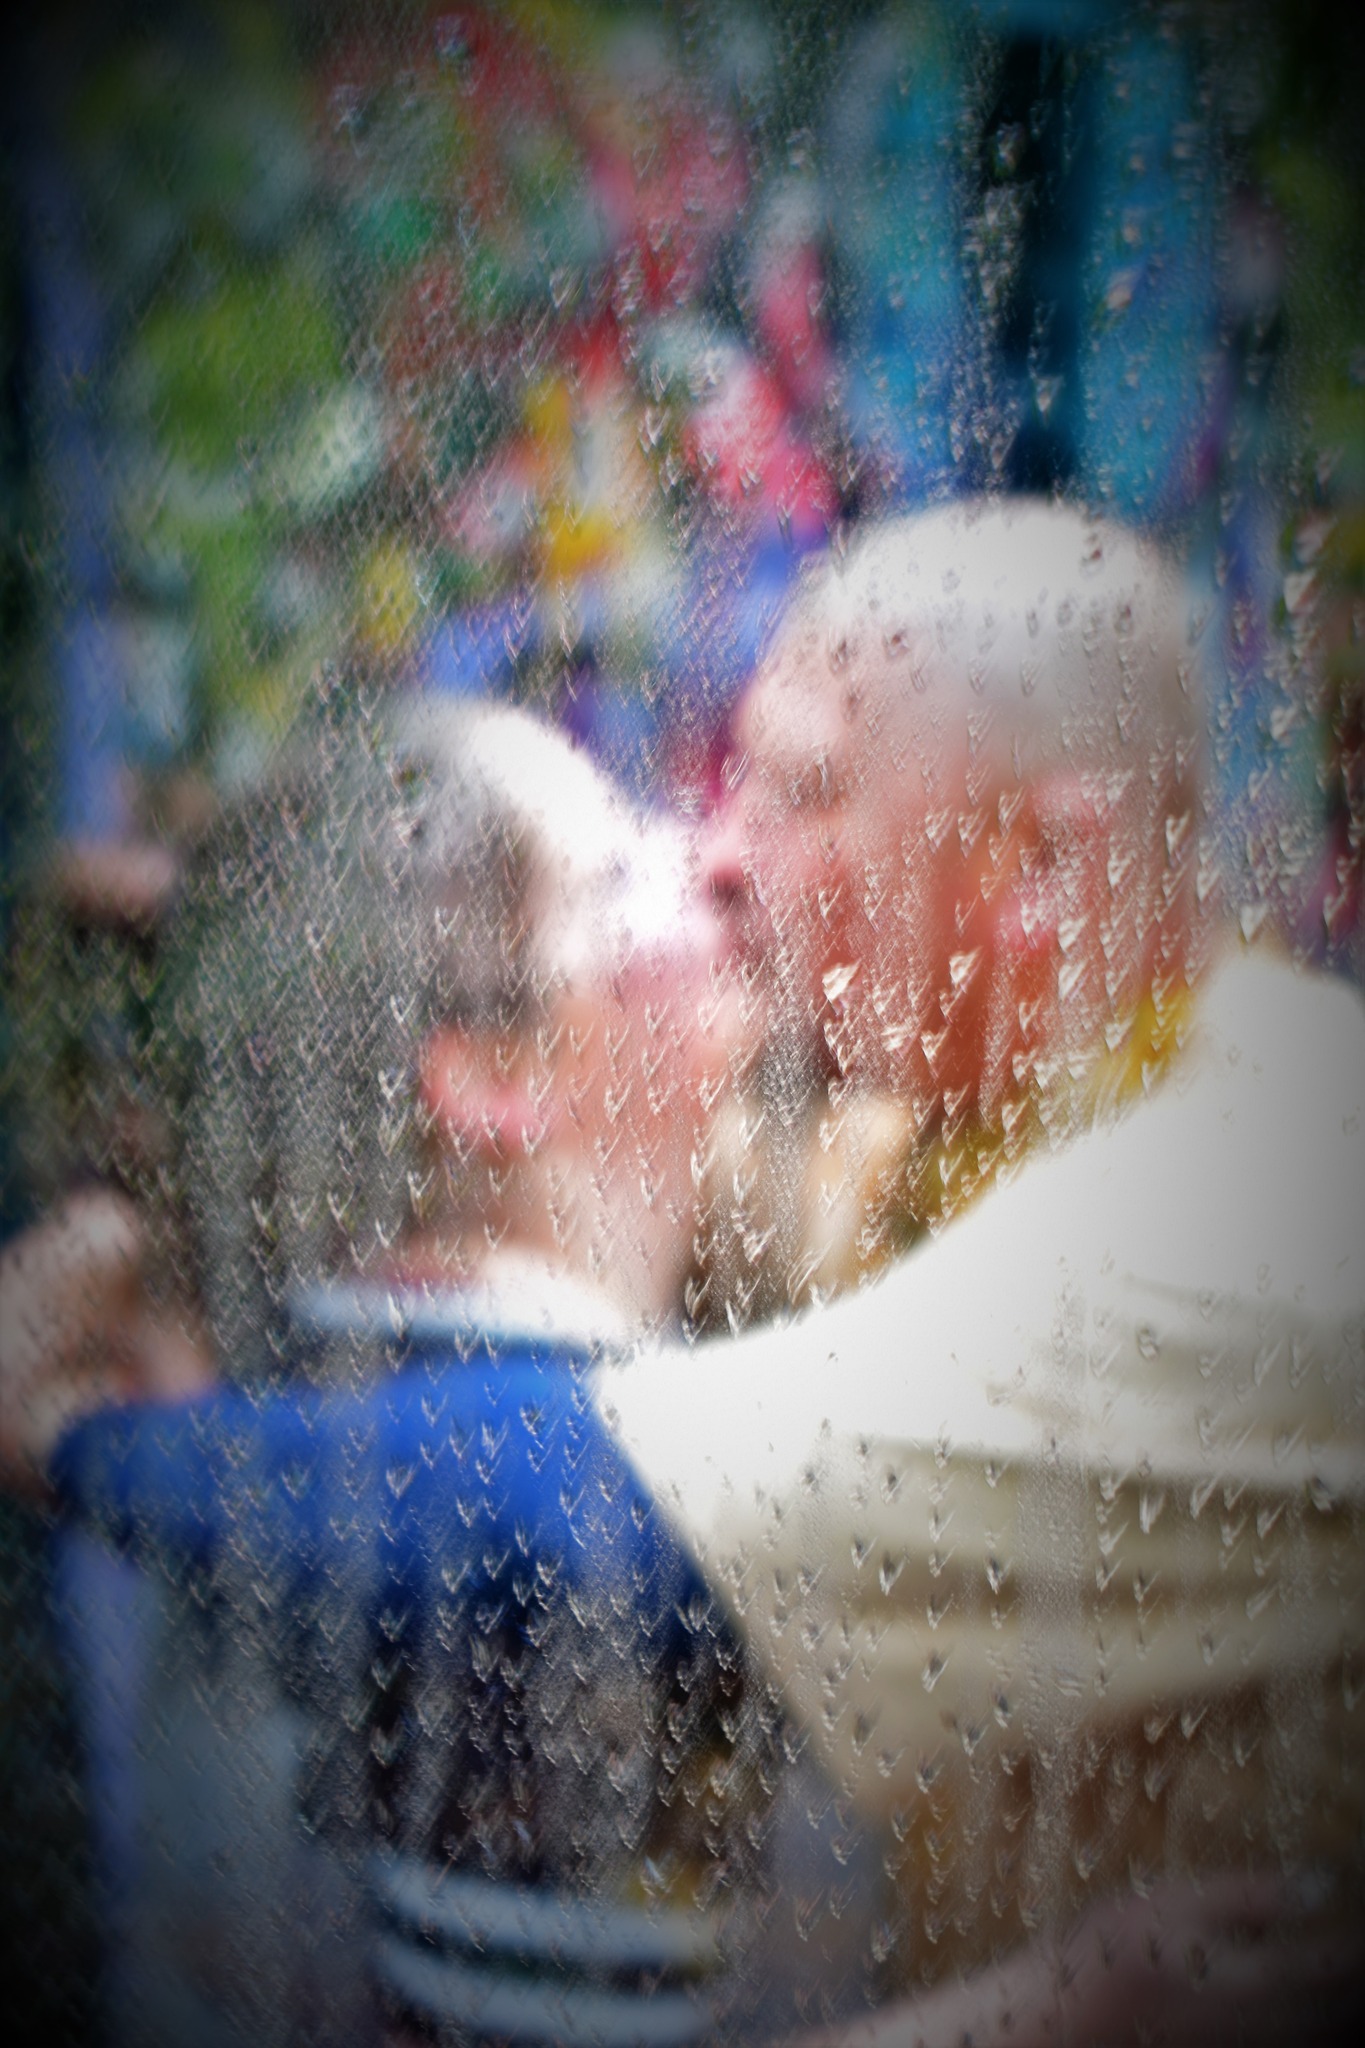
{"x": 469, "y": 1465}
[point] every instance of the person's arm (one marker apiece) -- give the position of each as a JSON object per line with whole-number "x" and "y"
{"x": 112, "y": 1409}
{"x": 77, "y": 1331}
{"x": 473, "y": 1467}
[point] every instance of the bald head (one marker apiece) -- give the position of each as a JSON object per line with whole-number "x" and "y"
{"x": 1025, "y": 630}
{"x": 970, "y": 765}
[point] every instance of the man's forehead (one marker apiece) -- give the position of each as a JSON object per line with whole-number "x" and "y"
{"x": 808, "y": 704}
{"x": 789, "y": 707}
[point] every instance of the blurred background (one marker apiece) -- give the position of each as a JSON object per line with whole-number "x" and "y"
{"x": 523, "y": 352}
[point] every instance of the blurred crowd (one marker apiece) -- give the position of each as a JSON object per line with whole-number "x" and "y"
{"x": 571, "y": 328}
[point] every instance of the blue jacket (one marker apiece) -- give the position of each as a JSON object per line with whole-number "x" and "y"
{"x": 467, "y": 1464}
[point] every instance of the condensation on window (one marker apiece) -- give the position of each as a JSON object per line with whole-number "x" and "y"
{"x": 683, "y": 1051}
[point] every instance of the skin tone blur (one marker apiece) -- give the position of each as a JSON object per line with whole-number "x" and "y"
{"x": 569, "y": 1132}
{"x": 79, "y": 1327}
{"x": 930, "y": 924}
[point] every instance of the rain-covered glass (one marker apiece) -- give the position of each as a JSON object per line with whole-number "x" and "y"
{"x": 683, "y": 1055}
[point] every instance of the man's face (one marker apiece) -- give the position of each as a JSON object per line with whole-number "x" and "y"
{"x": 955, "y": 931}
{"x": 895, "y": 905}
{"x": 946, "y": 888}
{"x": 809, "y": 859}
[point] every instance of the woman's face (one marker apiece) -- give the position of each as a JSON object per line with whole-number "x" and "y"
{"x": 573, "y": 1127}
{"x": 637, "y": 1049}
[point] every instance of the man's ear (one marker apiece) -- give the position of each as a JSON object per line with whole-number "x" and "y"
{"x": 1061, "y": 832}
{"x": 477, "y": 1104}
{"x": 1046, "y": 855}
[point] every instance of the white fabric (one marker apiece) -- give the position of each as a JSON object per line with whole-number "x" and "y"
{"x": 1097, "y": 1453}
{"x": 518, "y": 1297}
